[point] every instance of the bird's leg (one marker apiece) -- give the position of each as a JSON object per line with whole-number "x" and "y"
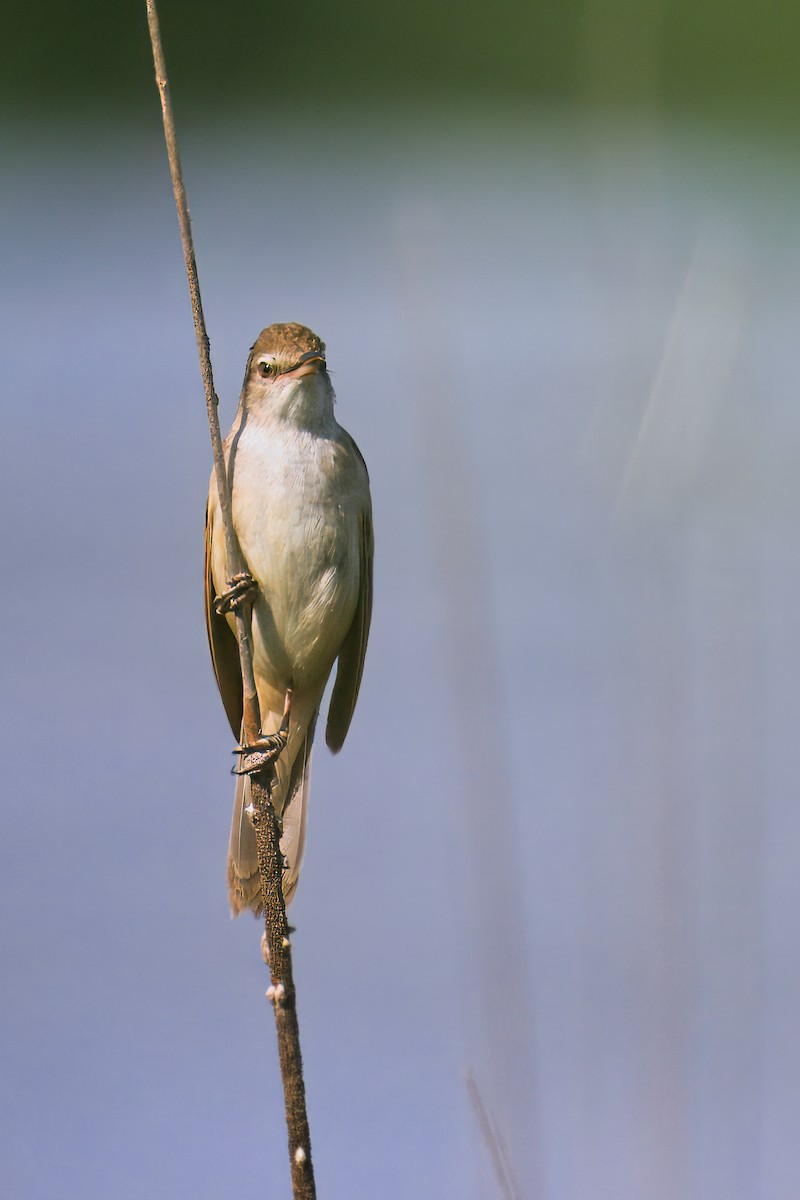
{"x": 242, "y": 589}
{"x": 257, "y": 755}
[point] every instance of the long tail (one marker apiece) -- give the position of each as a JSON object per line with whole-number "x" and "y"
{"x": 290, "y": 800}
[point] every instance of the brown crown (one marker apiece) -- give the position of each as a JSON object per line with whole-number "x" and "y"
{"x": 287, "y": 341}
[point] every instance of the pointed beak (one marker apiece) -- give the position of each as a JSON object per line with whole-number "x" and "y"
{"x": 307, "y": 364}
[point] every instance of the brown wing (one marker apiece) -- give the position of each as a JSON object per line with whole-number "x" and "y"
{"x": 224, "y": 649}
{"x": 354, "y": 647}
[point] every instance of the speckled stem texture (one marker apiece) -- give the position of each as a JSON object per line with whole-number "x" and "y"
{"x": 282, "y": 992}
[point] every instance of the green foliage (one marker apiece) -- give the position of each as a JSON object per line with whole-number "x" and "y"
{"x": 732, "y": 60}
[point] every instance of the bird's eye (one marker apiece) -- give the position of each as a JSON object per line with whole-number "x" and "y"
{"x": 266, "y": 369}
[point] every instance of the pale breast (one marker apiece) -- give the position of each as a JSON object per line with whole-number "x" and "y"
{"x": 297, "y": 497}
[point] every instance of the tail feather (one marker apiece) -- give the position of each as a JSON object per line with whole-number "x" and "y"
{"x": 290, "y": 800}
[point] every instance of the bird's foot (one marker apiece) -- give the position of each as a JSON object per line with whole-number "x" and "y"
{"x": 258, "y": 755}
{"x": 242, "y": 589}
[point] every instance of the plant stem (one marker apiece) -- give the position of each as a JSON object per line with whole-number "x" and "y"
{"x": 282, "y": 991}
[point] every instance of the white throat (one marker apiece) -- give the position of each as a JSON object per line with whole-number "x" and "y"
{"x": 306, "y": 403}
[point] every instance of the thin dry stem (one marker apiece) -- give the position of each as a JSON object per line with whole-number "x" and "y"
{"x": 494, "y": 1144}
{"x": 282, "y": 991}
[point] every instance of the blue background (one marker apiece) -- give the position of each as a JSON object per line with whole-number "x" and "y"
{"x": 560, "y": 845}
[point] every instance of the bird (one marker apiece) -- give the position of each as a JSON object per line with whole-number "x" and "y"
{"x": 302, "y": 513}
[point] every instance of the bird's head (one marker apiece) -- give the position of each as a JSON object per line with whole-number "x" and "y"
{"x": 282, "y": 355}
{"x": 287, "y": 378}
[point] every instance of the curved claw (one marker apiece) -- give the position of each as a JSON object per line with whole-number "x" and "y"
{"x": 259, "y": 754}
{"x": 242, "y": 589}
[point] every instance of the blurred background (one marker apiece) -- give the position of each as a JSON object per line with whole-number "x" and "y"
{"x": 554, "y": 253}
